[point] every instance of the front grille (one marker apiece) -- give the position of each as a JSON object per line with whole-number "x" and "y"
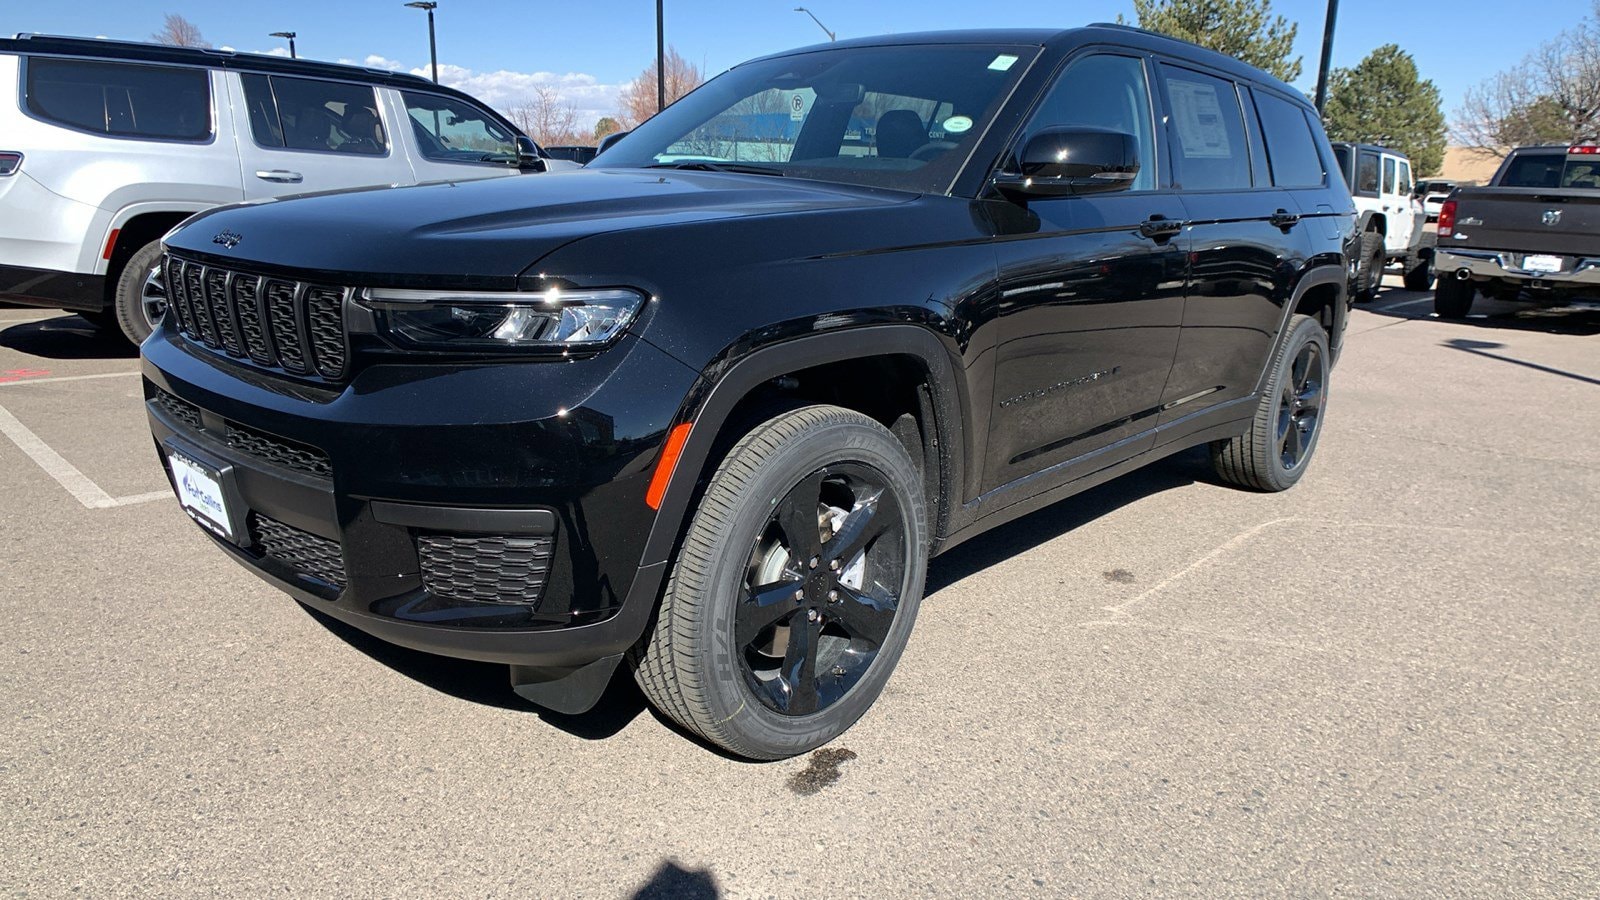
{"x": 301, "y": 551}
{"x": 275, "y": 323}
{"x": 278, "y": 451}
{"x": 485, "y": 569}
{"x": 182, "y": 410}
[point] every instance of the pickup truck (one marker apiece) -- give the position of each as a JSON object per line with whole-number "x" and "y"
{"x": 1533, "y": 233}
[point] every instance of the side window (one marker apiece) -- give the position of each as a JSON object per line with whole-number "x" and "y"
{"x": 1388, "y": 175}
{"x": 1104, "y": 92}
{"x": 1404, "y": 185}
{"x": 450, "y": 130}
{"x": 164, "y": 103}
{"x": 1209, "y": 150}
{"x": 1291, "y": 145}
{"x": 309, "y": 114}
{"x": 1367, "y": 173}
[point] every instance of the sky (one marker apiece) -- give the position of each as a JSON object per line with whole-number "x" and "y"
{"x": 588, "y": 49}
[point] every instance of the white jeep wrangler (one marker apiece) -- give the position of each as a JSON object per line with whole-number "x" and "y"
{"x": 106, "y": 145}
{"x": 1389, "y": 218}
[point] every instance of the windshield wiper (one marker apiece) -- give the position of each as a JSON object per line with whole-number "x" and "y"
{"x": 741, "y": 168}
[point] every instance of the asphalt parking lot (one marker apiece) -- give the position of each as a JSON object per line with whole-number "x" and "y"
{"x": 1381, "y": 683}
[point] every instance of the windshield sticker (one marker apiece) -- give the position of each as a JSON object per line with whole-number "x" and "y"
{"x": 1199, "y": 119}
{"x": 1003, "y": 62}
{"x": 957, "y": 124}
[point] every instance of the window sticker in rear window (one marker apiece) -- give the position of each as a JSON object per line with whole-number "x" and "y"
{"x": 1197, "y": 112}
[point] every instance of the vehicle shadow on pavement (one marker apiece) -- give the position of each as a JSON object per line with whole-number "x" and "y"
{"x": 67, "y": 337}
{"x": 1483, "y": 348}
{"x": 674, "y": 882}
{"x": 1580, "y": 319}
{"x": 489, "y": 684}
{"x": 1012, "y": 539}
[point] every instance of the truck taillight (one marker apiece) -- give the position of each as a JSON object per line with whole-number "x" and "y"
{"x": 9, "y": 162}
{"x": 1447, "y": 218}
{"x": 1588, "y": 150}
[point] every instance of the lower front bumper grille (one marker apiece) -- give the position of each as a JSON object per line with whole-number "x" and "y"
{"x": 302, "y": 551}
{"x": 485, "y": 569}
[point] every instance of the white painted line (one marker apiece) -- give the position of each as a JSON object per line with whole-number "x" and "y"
{"x": 54, "y": 464}
{"x": 1405, "y": 304}
{"x": 1220, "y": 549}
{"x": 59, "y": 378}
{"x": 142, "y": 498}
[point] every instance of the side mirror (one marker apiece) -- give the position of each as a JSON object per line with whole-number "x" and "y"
{"x": 1062, "y": 161}
{"x": 612, "y": 138}
{"x": 528, "y": 158}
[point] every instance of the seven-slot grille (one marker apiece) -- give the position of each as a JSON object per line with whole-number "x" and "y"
{"x": 272, "y": 322}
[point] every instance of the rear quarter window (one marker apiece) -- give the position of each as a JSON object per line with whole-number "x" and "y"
{"x": 168, "y": 103}
{"x": 1291, "y": 145}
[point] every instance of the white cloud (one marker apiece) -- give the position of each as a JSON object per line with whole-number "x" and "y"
{"x": 503, "y": 89}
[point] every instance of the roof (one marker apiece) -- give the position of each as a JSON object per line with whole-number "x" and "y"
{"x": 1066, "y": 39}
{"x": 101, "y": 48}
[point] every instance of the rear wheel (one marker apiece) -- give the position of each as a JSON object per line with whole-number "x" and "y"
{"x": 1274, "y": 453}
{"x": 796, "y": 588}
{"x": 1452, "y": 298}
{"x": 139, "y": 311}
{"x": 1370, "y": 278}
{"x": 1419, "y": 271}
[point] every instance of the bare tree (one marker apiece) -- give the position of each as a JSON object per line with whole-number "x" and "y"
{"x": 638, "y": 99}
{"x": 547, "y": 118}
{"x": 179, "y": 32}
{"x": 1551, "y": 97}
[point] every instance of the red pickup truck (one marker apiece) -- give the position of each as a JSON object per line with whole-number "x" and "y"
{"x": 1532, "y": 234}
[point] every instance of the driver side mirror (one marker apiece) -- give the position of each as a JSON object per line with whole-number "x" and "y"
{"x": 1066, "y": 160}
{"x": 528, "y": 158}
{"x": 612, "y": 138}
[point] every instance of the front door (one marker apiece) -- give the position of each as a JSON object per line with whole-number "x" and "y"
{"x": 1090, "y": 297}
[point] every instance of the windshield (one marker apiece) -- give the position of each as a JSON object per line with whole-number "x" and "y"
{"x": 894, "y": 117}
{"x": 1552, "y": 170}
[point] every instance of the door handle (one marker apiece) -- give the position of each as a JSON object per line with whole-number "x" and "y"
{"x": 1284, "y": 219}
{"x": 1159, "y": 227}
{"x": 282, "y": 176}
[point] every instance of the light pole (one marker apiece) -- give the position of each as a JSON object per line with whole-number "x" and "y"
{"x": 289, "y": 36}
{"x": 831, "y": 35}
{"x": 433, "y": 47}
{"x": 1327, "y": 56}
{"x": 661, "y": 57}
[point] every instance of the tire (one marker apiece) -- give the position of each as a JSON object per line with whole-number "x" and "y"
{"x": 1452, "y": 298}
{"x": 1370, "y": 276}
{"x": 1274, "y": 453}
{"x": 713, "y": 661}
{"x": 136, "y": 318}
{"x": 1419, "y": 271}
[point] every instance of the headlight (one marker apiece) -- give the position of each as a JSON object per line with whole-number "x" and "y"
{"x": 465, "y": 320}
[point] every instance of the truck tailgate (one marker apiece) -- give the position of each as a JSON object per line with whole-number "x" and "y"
{"x": 1526, "y": 220}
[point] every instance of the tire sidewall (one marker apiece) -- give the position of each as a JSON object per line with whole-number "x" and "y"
{"x": 763, "y": 731}
{"x": 129, "y": 300}
{"x": 1306, "y": 331}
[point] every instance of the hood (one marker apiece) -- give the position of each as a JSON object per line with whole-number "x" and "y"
{"x": 487, "y": 232}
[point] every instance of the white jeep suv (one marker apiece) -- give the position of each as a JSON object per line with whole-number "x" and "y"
{"x": 108, "y": 144}
{"x": 1389, "y": 218}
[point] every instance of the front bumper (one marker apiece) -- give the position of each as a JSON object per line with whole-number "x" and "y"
{"x": 1576, "y": 271}
{"x": 403, "y": 506}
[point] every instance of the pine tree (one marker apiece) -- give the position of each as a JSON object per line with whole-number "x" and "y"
{"x": 1382, "y": 101}
{"x": 1245, "y": 29}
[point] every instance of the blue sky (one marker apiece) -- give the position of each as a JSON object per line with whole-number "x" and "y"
{"x": 587, "y": 48}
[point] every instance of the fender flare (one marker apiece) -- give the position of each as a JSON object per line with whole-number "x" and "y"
{"x": 1316, "y": 277}
{"x": 711, "y": 412}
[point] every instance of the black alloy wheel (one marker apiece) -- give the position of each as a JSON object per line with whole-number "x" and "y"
{"x": 1273, "y": 453}
{"x": 1300, "y": 406}
{"x": 823, "y": 589}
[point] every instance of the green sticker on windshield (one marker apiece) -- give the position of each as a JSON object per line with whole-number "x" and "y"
{"x": 1003, "y": 62}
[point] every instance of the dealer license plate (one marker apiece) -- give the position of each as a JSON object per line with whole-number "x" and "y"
{"x": 1542, "y": 263}
{"x": 200, "y": 492}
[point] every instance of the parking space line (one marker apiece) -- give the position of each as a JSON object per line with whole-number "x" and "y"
{"x": 59, "y": 378}
{"x": 79, "y": 485}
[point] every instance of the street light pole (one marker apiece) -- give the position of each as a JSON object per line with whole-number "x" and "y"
{"x": 661, "y": 57}
{"x": 289, "y": 36}
{"x": 831, "y": 35}
{"x": 1327, "y": 55}
{"x": 433, "y": 47}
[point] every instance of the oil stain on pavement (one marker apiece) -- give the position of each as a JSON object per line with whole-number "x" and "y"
{"x": 822, "y": 771}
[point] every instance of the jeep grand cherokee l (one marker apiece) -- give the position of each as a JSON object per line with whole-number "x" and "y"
{"x": 706, "y": 408}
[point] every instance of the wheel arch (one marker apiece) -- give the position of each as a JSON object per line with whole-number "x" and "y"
{"x": 1322, "y": 292}
{"x": 715, "y": 410}
{"x": 131, "y": 230}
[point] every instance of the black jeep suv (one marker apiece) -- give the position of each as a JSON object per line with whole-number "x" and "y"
{"x": 706, "y": 408}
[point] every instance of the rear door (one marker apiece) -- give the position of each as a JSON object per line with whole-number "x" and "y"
{"x": 1397, "y": 203}
{"x": 311, "y": 134}
{"x": 453, "y": 140}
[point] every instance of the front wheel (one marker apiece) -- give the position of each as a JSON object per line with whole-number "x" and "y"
{"x": 1274, "y": 453}
{"x": 1419, "y": 271}
{"x": 796, "y": 588}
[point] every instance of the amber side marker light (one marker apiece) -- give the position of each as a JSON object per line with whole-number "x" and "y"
{"x": 665, "y": 465}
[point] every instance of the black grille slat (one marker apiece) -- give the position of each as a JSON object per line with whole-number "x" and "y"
{"x": 279, "y": 451}
{"x": 271, "y": 322}
{"x": 325, "y": 326}
{"x": 485, "y": 569}
{"x": 282, "y": 318}
{"x": 182, "y": 410}
{"x": 216, "y": 288}
{"x": 302, "y": 551}
{"x": 251, "y": 333}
